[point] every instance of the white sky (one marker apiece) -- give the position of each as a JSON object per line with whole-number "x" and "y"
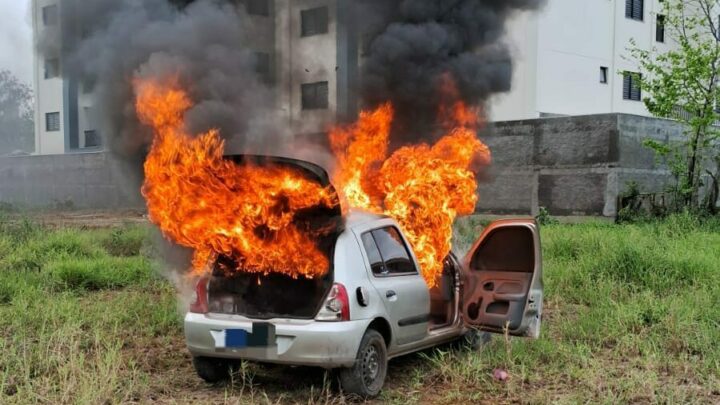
{"x": 16, "y": 44}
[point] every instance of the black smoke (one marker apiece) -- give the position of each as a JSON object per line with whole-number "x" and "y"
{"x": 411, "y": 44}
{"x": 106, "y": 43}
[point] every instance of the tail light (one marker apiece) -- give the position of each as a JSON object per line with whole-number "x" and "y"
{"x": 336, "y": 306}
{"x": 199, "y": 303}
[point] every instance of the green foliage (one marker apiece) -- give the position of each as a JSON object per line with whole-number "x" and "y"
{"x": 544, "y": 217}
{"x": 99, "y": 274}
{"x": 681, "y": 84}
{"x": 127, "y": 241}
{"x": 16, "y": 115}
{"x": 630, "y": 316}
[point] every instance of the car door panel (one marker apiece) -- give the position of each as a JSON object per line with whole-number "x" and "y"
{"x": 408, "y": 307}
{"x": 502, "y": 279}
{"x": 498, "y": 296}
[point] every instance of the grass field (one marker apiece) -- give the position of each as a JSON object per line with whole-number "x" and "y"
{"x": 632, "y": 315}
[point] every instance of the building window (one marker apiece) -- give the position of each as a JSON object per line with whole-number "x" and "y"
{"x": 262, "y": 63}
{"x": 660, "y": 28}
{"x": 634, "y": 9}
{"x": 88, "y": 84}
{"x": 315, "y": 96}
{"x": 314, "y": 21}
{"x": 258, "y": 7}
{"x": 50, "y": 15}
{"x": 52, "y": 68}
{"x": 631, "y": 86}
{"x": 92, "y": 139}
{"x": 603, "y": 74}
{"x": 52, "y": 122}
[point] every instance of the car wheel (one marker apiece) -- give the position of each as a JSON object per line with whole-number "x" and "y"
{"x": 366, "y": 378}
{"x": 475, "y": 340}
{"x": 212, "y": 370}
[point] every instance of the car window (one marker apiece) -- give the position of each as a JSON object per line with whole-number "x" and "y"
{"x": 376, "y": 262}
{"x": 394, "y": 253}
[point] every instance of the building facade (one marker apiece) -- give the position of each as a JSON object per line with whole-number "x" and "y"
{"x": 572, "y": 58}
{"x": 63, "y": 105}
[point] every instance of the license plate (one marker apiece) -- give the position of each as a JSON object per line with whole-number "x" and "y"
{"x": 236, "y": 338}
{"x": 262, "y": 335}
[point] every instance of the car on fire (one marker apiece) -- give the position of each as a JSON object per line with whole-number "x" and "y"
{"x": 373, "y": 305}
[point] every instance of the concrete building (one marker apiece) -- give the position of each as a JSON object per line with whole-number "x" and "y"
{"x": 570, "y": 56}
{"x": 317, "y": 63}
{"x": 63, "y": 105}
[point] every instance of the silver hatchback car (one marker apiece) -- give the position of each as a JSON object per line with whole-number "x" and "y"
{"x": 372, "y": 306}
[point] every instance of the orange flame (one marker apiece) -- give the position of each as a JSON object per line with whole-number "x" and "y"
{"x": 424, "y": 187}
{"x": 214, "y": 206}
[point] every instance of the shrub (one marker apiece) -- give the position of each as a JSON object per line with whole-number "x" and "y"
{"x": 125, "y": 242}
{"x": 33, "y": 254}
{"x": 99, "y": 274}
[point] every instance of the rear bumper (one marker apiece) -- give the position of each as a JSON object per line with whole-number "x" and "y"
{"x": 297, "y": 342}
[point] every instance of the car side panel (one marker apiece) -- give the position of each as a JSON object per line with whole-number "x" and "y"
{"x": 350, "y": 272}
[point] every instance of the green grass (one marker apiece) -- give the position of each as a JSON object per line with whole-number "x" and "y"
{"x": 632, "y": 314}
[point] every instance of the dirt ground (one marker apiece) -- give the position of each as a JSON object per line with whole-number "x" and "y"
{"x": 87, "y": 219}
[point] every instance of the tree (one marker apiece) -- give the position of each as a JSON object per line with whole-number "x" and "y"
{"x": 681, "y": 84}
{"x": 16, "y": 115}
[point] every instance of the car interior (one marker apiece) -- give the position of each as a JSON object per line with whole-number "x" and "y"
{"x": 499, "y": 278}
{"x": 442, "y": 296}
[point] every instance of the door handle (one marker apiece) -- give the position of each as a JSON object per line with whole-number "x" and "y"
{"x": 390, "y": 294}
{"x": 508, "y": 296}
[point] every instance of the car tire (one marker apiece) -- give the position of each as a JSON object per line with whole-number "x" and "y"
{"x": 367, "y": 376}
{"x": 212, "y": 370}
{"x": 475, "y": 340}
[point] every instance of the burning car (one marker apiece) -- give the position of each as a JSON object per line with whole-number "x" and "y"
{"x": 293, "y": 271}
{"x": 371, "y": 306}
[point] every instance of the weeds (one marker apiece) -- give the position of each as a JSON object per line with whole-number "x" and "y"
{"x": 631, "y": 315}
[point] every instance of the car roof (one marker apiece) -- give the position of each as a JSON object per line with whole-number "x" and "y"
{"x": 356, "y": 217}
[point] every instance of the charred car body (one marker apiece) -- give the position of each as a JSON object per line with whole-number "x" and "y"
{"x": 373, "y": 304}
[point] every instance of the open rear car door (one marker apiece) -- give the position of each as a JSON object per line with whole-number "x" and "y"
{"x": 502, "y": 279}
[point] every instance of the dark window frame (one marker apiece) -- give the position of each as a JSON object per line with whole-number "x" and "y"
{"x": 311, "y": 96}
{"x": 51, "y": 68}
{"x": 660, "y": 28}
{"x": 314, "y": 21}
{"x": 631, "y": 86}
{"x": 94, "y": 135}
{"x": 54, "y": 120}
{"x": 258, "y": 7}
{"x": 263, "y": 63}
{"x": 88, "y": 84}
{"x": 50, "y": 19}
{"x": 635, "y": 10}
{"x": 382, "y": 258}
{"x": 604, "y": 75}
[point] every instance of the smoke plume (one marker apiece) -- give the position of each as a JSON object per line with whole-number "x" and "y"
{"x": 106, "y": 43}
{"x": 414, "y": 43}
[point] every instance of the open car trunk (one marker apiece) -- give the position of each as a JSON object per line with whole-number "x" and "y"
{"x": 265, "y": 296}
{"x": 275, "y": 295}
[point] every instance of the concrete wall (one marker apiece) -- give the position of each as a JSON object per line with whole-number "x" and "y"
{"x": 84, "y": 180}
{"x": 575, "y": 166}
{"x": 572, "y": 165}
